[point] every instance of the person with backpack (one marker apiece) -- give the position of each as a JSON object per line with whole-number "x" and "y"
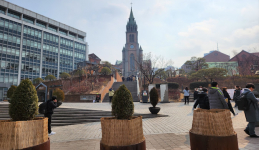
{"x": 50, "y": 106}
{"x": 216, "y": 97}
{"x": 226, "y": 95}
{"x": 186, "y": 95}
{"x": 203, "y": 100}
{"x": 252, "y": 110}
{"x": 237, "y": 93}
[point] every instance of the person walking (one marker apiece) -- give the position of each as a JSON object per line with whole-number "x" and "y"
{"x": 186, "y": 95}
{"x": 111, "y": 93}
{"x": 202, "y": 100}
{"x": 228, "y": 98}
{"x": 216, "y": 97}
{"x": 252, "y": 114}
{"x": 51, "y": 105}
{"x": 123, "y": 79}
{"x": 237, "y": 93}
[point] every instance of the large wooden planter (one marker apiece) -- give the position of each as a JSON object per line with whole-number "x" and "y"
{"x": 24, "y": 134}
{"x": 212, "y": 130}
{"x": 122, "y": 134}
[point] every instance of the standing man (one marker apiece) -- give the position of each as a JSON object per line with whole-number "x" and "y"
{"x": 216, "y": 97}
{"x": 51, "y": 105}
{"x": 252, "y": 114}
{"x": 237, "y": 93}
{"x": 111, "y": 93}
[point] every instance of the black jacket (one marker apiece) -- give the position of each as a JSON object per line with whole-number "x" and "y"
{"x": 50, "y": 106}
{"x": 236, "y": 94}
{"x": 195, "y": 94}
{"x": 202, "y": 101}
{"x": 226, "y": 95}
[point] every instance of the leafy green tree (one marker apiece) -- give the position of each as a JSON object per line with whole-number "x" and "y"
{"x": 59, "y": 94}
{"x": 24, "y": 102}
{"x": 122, "y": 103}
{"x": 64, "y": 75}
{"x": 80, "y": 72}
{"x": 153, "y": 97}
{"x": 50, "y": 77}
{"x": 106, "y": 71}
{"x": 107, "y": 64}
{"x": 37, "y": 80}
{"x": 11, "y": 91}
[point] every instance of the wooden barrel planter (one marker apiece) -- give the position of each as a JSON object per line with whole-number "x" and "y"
{"x": 212, "y": 130}
{"x": 122, "y": 134}
{"x": 27, "y": 135}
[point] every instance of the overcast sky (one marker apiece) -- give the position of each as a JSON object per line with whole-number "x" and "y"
{"x": 174, "y": 29}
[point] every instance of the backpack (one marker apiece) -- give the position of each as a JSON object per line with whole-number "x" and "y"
{"x": 42, "y": 108}
{"x": 242, "y": 102}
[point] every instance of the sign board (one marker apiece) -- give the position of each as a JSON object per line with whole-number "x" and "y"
{"x": 87, "y": 97}
{"x": 144, "y": 93}
{"x": 41, "y": 88}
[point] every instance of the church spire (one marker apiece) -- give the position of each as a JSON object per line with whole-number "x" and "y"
{"x": 131, "y": 25}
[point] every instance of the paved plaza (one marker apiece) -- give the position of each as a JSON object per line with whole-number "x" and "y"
{"x": 160, "y": 133}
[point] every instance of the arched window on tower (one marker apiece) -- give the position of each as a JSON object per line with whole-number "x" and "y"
{"x": 132, "y": 62}
{"x": 132, "y": 37}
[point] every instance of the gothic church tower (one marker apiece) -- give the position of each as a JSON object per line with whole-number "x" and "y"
{"x": 132, "y": 52}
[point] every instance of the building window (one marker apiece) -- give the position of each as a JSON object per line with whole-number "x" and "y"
{"x": 14, "y": 14}
{"x": 72, "y": 35}
{"x": 132, "y": 62}
{"x": 41, "y": 24}
{"x": 62, "y": 31}
{"x": 80, "y": 38}
{"x": 28, "y": 19}
{"x": 52, "y": 28}
{"x": 2, "y": 10}
{"x": 131, "y": 37}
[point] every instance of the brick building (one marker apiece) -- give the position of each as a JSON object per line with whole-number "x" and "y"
{"x": 248, "y": 63}
{"x": 94, "y": 59}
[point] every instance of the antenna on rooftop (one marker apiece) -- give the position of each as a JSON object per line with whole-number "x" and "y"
{"x": 217, "y": 46}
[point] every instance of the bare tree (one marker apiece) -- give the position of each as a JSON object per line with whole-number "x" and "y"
{"x": 92, "y": 74}
{"x": 152, "y": 65}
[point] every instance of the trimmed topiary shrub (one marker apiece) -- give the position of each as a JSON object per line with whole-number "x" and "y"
{"x": 153, "y": 97}
{"x": 59, "y": 94}
{"x": 194, "y": 85}
{"x": 10, "y": 91}
{"x": 24, "y": 102}
{"x": 122, "y": 103}
{"x": 173, "y": 85}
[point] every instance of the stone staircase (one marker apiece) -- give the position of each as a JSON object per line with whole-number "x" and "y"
{"x": 71, "y": 116}
{"x": 131, "y": 85}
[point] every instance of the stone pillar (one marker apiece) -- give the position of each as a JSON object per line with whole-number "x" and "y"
{"x": 164, "y": 93}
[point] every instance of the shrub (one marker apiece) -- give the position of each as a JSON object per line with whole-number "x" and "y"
{"x": 173, "y": 85}
{"x": 59, "y": 94}
{"x": 64, "y": 75}
{"x": 194, "y": 85}
{"x": 106, "y": 71}
{"x": 50, "y": 77}
{"x": 24, "y": 102}
{"x": 153, "y": 97}
{"x": 122, "y": 103}
{"x": 11, "y": 91}
{"x": 37, "y": 80}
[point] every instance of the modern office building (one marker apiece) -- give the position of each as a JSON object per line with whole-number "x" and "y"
{"x": 32, "y": 46}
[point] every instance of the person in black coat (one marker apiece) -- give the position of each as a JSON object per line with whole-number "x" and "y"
{"x": 226, "y": 95}
{"x": 195, "y": 94}
{"x": 51, "y": 105}
{"x": 202, "y": 100}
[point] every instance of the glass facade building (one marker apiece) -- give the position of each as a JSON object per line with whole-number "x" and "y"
{"x": 33, "y": 46}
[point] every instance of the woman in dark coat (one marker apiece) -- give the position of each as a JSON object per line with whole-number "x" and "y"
{"x": 226, "y": 95}
{"x": 237, "y": 93}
